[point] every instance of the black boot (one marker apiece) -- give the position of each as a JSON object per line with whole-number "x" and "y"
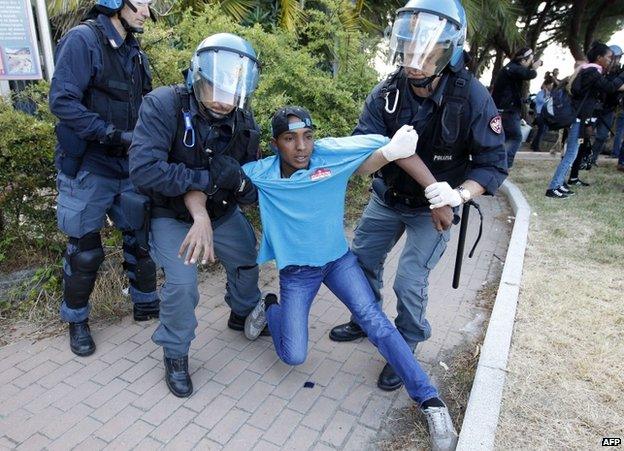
{"x": 346, "y": 332}
{"x": 146, "y": 310}
{"x": 388, "y": 379}
{"x": 177, "y": 377}
{"x": 80, "y": 340}
{"x": 237, "y": 322}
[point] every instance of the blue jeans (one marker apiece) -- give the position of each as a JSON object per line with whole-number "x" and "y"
{"x": 83, "y": 204}
{"x": 513, "y": 134}
{"x": 618, "y": 140}
{"x": 235, "y": 247}
{"x": 377, "y": 232}
{"x": 288, "y": 320}
{"x": 572, "y": 147}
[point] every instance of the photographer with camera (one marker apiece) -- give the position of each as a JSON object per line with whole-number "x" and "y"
{"x": 507, "y": 95}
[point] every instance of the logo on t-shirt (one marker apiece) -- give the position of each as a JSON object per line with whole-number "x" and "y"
{"x": 320, "y": 173}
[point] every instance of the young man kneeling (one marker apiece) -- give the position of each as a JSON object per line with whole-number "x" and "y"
{"x": 301, "y": 193}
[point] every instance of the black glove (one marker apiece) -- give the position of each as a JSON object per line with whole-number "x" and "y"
{"x": 116, "y": 137}
{"x": 247, "y": 193}
{"x": 225, "y": 173}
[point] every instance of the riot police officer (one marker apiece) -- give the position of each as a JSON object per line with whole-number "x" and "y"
{"x": 461, "y": 141}
{"x": 194, "y": 137}
{"x": 100, "y": 79}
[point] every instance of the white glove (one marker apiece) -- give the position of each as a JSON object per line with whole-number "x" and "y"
{"x": 402, "y": 145}
{"x": 440, "y": 194}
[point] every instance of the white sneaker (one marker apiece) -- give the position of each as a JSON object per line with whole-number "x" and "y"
{"x": 256, "y": 320}
{"x": 442, "y": 434}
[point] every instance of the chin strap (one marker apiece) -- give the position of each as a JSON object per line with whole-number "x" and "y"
{"x": 424, "y": 82}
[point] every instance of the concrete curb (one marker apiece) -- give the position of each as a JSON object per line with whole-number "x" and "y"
{"x": 480, "y": 422}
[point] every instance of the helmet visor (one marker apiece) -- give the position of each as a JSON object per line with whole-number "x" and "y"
{"x": 423, "y": 41}
{"x": 225, "y": 77}
{"x": 159, "y": 7}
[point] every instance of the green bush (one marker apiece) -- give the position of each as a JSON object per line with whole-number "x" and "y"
{"x": 325, "y": 69}
{"x": 27, "y": 180}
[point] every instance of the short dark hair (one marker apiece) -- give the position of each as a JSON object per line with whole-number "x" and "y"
{"x": 597, "y": 50}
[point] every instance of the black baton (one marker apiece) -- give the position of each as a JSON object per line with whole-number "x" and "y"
{"x": 463, "y": 227}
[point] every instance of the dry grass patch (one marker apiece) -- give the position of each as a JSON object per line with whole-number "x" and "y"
{"x": 566, "y": 372}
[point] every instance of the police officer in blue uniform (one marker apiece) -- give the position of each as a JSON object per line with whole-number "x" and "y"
{"x": 460, "y": 140}
{"x": 100, "y": 79}
{"x": 194, "y": 137}
{"x": 507, "y": 94}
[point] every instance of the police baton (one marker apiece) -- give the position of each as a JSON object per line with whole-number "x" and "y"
{"x": 463, "y": 228}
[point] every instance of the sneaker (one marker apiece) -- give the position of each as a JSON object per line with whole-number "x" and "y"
{"x": 577, "y": 182}
{"x": 442, "y": 434}
{"x": 565, "y": 189}
{"x": 256, "y": 321}
{"x": 555, "y": 193}
{"x": 620, "y": 167}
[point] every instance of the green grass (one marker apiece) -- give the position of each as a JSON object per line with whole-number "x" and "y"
{"x": 566, "y": 370}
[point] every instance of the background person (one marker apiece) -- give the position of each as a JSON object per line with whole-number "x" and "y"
{"x": 586, "y": 87}
{"x": 507, "y": 95}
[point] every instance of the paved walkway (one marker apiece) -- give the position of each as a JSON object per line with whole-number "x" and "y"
{"x": 245, "y": 398}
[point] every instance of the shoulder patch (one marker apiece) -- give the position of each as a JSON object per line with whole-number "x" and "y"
{"x": 496, "y": 124}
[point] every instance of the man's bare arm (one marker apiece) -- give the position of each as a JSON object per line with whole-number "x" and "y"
{"x": 373, "y": 163}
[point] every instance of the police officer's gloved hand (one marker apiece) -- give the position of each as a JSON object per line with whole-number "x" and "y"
{"x": 247, "y": 193}
{"x": 440, "y": 194}
{"x": 116, "y": 137}
{"x": 225, "y": 173}
{"x": 402, "y": 145}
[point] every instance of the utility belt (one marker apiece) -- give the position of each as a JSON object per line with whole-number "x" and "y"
{"x": 111, "y": 151}
{"x": 395, "y": 198}
{"x": 72, "y": 150}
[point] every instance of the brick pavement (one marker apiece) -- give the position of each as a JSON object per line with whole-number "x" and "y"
{"x": 245, "y": 398}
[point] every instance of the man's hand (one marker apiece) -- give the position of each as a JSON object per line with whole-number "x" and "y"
{"x": 440, "y": 194}
{"x": 225, "y": 173}
{"x": 442, "y": 218}
{"x": 402, "y": 145}
{"x": 198, "y": 241}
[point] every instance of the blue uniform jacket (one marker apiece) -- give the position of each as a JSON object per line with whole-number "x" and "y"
{"x": 486, "y": 139}
{"x": 154, "y": 136}
{"x": 78, "y": 60}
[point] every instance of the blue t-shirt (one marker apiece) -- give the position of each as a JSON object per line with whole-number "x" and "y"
{"x": 302, "y": 216}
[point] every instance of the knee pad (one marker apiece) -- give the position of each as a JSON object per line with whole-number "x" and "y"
{"x": 84, "y": 257}
{"x": 142, "y": 274}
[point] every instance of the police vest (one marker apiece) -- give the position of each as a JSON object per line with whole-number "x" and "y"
{"x": 115, "y": 94}
{"x": 243, "y": 145}
{"x": 443, "y": 140}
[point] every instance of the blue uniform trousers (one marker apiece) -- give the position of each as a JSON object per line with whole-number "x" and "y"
{"x": 376, "y": 234}
{"x": 83, "y": 204}
{"x": 235, "y": 247}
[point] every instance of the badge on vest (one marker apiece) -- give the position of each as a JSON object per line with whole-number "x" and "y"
{"x": 320, "y": 173}
{"x": 496, "y": 124}
{"x": 443, "y": 158}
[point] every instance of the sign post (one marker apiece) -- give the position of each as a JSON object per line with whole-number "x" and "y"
{"x": 19, "y": 52}
{"x": 46, "y": 38}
